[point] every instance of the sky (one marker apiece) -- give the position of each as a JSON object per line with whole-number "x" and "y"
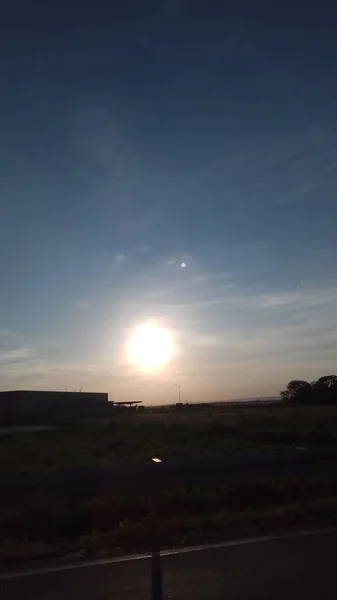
{"x": 137, "y": 136}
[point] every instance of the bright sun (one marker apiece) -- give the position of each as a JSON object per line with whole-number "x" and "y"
{"x": 150, "y": 346}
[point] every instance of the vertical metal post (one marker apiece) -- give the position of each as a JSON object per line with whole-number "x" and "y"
{"x": 157, "y": 582}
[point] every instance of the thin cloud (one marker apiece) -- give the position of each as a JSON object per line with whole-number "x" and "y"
{"x": 7, "y": 333}
{"x": 83, "y": 304}
{"x": 15, "y": 355}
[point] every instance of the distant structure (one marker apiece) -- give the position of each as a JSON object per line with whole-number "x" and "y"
{"x": 35, "y": 406}
{"x": 129, "y": 404}
{"x": 179, "y": 406}
{"x": 26, "y": 406}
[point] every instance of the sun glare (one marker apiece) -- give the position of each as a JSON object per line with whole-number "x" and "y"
{"x": 150, "y": 346}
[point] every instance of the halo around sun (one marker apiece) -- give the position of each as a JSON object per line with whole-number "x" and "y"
{"x": 150, "y": 346}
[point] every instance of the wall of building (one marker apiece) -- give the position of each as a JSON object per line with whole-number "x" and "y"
{"x": 44, "y": 406}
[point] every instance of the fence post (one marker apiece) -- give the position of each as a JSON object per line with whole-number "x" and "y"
{"x": 156, "y": 571}
{"x": 157, "y": 583}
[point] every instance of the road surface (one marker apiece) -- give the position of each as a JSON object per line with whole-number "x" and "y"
{"x": 298, "y": 567}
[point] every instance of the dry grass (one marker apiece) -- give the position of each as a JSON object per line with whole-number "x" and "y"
{"x": 135, "y": 437}
{"x": 130, "y": 537}
{"x": 122, "y": 523}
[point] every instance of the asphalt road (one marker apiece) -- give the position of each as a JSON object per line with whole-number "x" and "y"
{"x": 300, "y": 567}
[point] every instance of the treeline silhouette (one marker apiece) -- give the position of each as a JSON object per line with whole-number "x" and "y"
{"x": 321, "y": 391}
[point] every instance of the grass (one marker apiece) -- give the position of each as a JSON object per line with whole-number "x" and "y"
{"x": 121, "y": 523}
{"x": 135, "y": 437}
{"x": 135, "y": 536}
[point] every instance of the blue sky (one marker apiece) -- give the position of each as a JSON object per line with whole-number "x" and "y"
{"x": 138, "y": 137}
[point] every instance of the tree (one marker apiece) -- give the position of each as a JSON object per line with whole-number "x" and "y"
{"x": 328, "y": 381}
{"x": 297, "y": 392}
{"x": 325, "y": 389}
{"x": 322, "y": 391}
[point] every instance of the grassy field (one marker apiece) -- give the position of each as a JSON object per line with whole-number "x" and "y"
{"x": 136, "y": 437}
{"x": 122, "y": 523}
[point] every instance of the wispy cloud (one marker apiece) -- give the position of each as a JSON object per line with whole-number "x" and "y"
{"x": 53, "y": 343}
{"x": 7, "y": 333}
{"x": 83, "y": 304}
{"x": 222, "y": 328}
{"x": 15, "y": 355}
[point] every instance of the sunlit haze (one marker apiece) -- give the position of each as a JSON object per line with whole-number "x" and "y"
{"x": 150, "y": 346}
{"x": 168, "y": 176}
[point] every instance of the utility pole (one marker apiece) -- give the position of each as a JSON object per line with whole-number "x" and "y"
{"x": 178, "y": 386}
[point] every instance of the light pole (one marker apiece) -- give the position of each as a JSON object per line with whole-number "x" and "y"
{"x": 178, "y": 386}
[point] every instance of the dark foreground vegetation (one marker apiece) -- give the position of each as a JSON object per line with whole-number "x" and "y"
{"x": 137, "y": 436}
{"x": 121, "y": 523}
